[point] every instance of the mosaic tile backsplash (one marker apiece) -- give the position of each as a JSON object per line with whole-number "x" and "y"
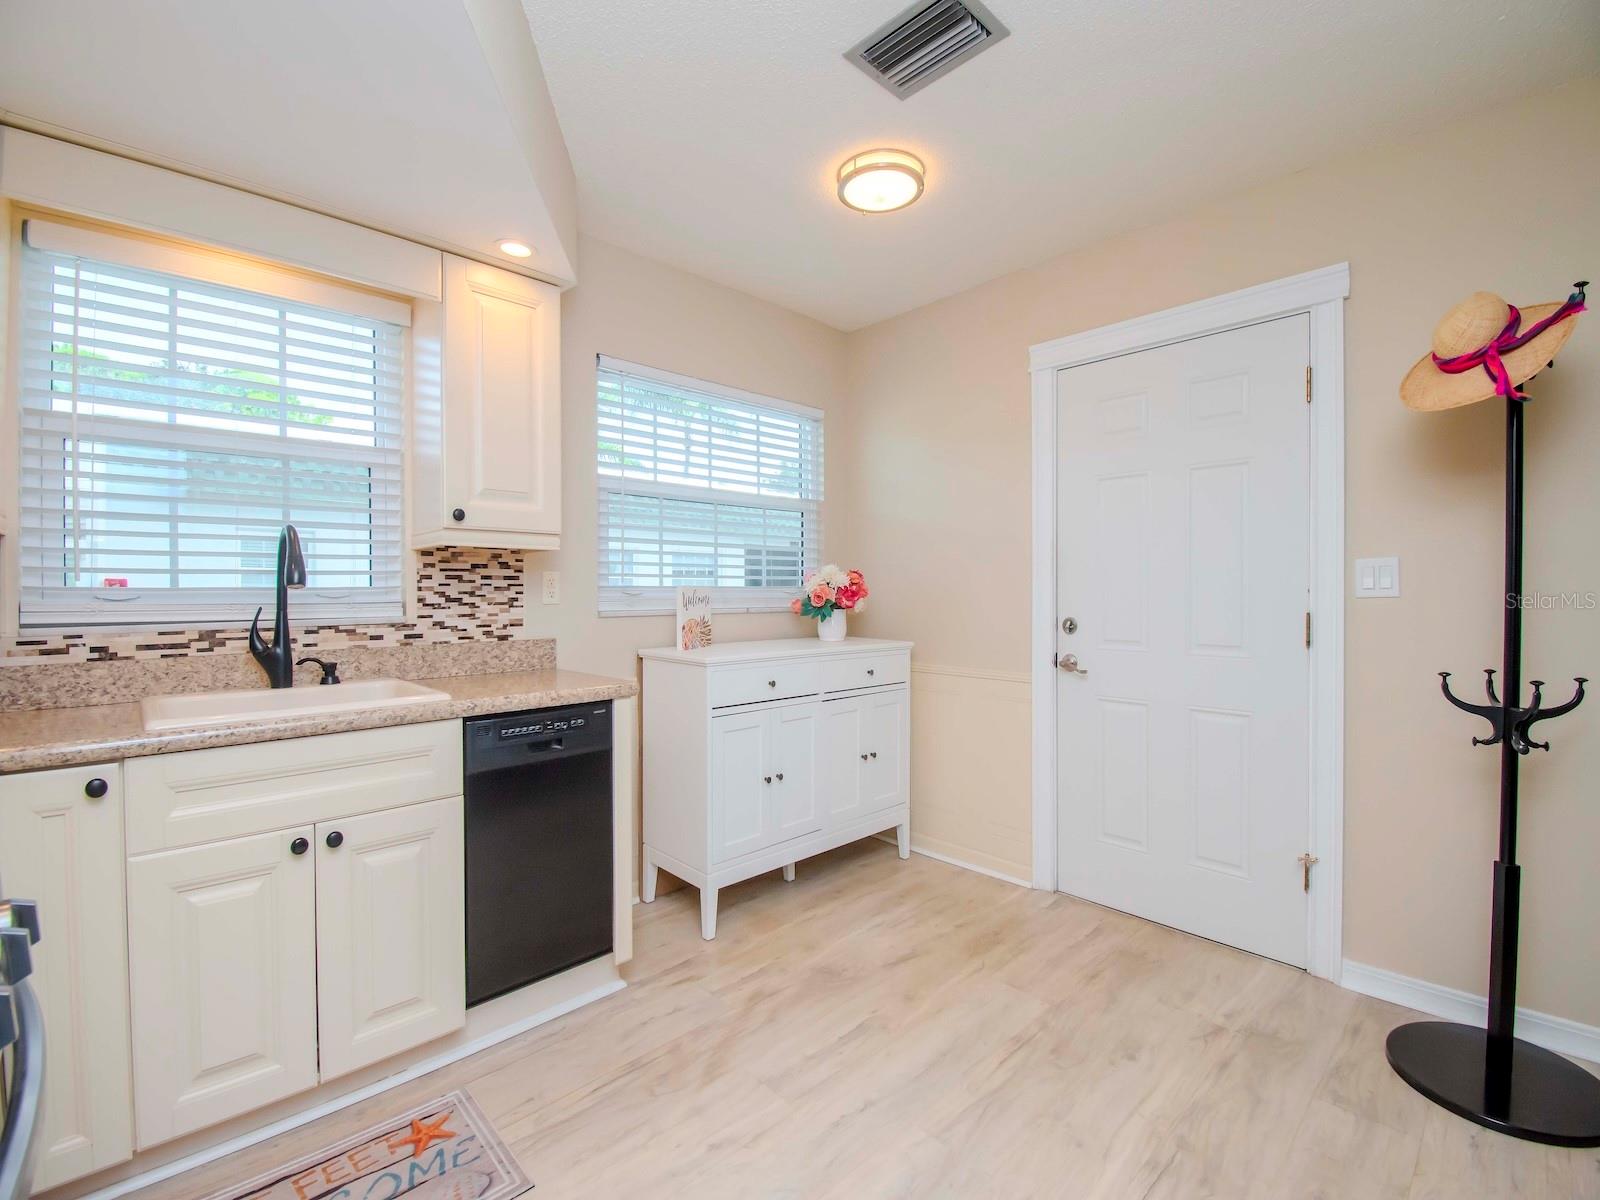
{"x": 463, "y": 595}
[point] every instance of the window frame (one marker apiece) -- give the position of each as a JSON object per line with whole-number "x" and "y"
{"x": 139, "y": 609}
{"x": 615, "y": 600}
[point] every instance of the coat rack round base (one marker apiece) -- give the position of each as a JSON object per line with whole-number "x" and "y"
{"x": 1505, "y": 1084}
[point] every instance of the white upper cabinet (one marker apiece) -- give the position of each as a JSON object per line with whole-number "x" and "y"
{"x": 486, "y": 434}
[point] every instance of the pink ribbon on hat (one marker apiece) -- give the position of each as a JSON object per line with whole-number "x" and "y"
{"x": 1509, "y": 339}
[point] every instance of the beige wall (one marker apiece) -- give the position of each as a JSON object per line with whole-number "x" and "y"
{"x": 649, "y": 313}
{"x": 1507, "y": 200}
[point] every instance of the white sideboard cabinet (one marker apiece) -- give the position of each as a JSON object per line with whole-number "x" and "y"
{"x": 759, "y": 754}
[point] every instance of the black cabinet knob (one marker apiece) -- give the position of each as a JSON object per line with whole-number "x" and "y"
{"x": 772, "y": 683}
{"x": 874, "y": 754}
{"x": 780, "y": 776}
{"x": 299, "y": 846}
{"x": 335, "y": 840}
{"x": 863, "y": 758}
{"x": 458, "y": 514}
{"x": 96, "y": 789}
{"x": 870, "y": 671}
{"x": 766, "y": 779}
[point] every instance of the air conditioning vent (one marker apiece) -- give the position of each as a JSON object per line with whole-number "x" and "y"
{"x": 925, "y": 42}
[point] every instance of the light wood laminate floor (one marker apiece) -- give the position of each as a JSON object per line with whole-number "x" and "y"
{"x": 894, "y": 1029}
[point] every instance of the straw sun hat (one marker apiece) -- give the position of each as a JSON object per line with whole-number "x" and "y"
{"x": 1485, "y": 347}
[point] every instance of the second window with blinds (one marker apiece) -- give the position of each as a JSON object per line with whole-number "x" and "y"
{"x": 703, "y": 486}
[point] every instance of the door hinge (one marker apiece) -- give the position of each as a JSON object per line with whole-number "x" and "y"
{"x": 1307, "y": 861}
{"x": 1308, "y": 631}
{"x": 1308, "y": 385}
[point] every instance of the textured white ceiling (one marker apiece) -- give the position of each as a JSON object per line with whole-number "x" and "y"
{"x": 705, "y": 132}
{"x": 384, "y": 111}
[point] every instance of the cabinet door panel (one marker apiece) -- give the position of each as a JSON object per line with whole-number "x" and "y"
{"x": 222, "y": 956}
{"x": 883, "y": 739}
{"x": 390, "y": 933}
{"x": 739, "y": 758}
{"x": 63, "y": 848}
{"x": 793, "y": 800}
{"x": 839, "y": 763}
{"x": 501, "y": 400}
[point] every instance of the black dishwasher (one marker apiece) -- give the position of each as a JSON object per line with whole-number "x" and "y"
{"x": 538, "y": 828}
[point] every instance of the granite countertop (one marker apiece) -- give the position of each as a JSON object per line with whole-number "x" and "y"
{"x": 31, "y": 739}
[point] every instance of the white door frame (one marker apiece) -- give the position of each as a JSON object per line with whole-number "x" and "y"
{"x": 1320, "y": 295}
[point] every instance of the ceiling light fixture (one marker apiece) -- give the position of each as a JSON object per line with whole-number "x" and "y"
{"x": 515, "y": 248}
{"x": 880, "y": 181}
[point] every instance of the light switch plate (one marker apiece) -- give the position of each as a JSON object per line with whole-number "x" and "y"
{"x": 1377, "y": 577}
{"x": 552, "y": 587}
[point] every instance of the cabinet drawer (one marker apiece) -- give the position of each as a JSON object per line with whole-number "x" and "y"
{"x": 771, "y": 681}
{"x": 864, "y": 671}
{"x": 232, "y": 791}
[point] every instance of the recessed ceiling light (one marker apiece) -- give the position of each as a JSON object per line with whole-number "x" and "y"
{"x": 879, "y": 181}
{"x": 515, "y": 248}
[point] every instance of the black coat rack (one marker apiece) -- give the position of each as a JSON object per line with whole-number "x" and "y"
{"x": 1490, "y": 1075}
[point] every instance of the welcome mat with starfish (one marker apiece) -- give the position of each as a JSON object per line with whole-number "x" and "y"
{"x": 442, "y": 1150}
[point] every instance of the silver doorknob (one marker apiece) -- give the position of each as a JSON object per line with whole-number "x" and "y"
{"x": 1069, "y": 663}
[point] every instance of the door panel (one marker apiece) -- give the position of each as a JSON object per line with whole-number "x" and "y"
{"x": 221, "y": 1030}
{"x": 390, "y": 930}
{"x": 883, "y": 739}
{"x": 839, "y": 760}
{"x": 795, "y": 810}
{"x": 1184, "y": 556}
{"x": 739, "y": 758}
{"x": 63, "y": 848}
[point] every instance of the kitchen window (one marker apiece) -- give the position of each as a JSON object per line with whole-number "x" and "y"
{"x": 703, "y": 486}
{"x": 178, "y": 407}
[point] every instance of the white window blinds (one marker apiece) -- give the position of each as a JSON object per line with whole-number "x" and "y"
{"x": 703, "y": 486}
{"x": 171, "y": 425}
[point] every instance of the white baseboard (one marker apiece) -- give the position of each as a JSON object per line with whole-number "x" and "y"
{"x": 956, "y": 862}
{"x": 1553, "y": 1033}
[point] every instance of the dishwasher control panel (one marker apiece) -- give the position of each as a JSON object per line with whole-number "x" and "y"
{"x": 552, "y": 732}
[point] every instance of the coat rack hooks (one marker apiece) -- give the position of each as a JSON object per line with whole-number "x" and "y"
{"x": 1504, "y": 717}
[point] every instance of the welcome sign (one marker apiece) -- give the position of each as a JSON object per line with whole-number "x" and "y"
{"x": 442, "y": 1150}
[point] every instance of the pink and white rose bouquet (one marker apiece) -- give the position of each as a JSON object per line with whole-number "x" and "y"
{"x": 829, "y": 589}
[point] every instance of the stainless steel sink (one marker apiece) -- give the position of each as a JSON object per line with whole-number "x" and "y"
{"x": 196, "y": 711}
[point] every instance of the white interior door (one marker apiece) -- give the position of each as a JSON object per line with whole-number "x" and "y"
{"x": 1183, "y": 553}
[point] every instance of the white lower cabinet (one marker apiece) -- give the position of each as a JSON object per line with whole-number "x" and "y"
{"x": 265, "y": 964}
{"x": 764, "y": 788}
{"x": 865, "y": 741}
{"x": 222, "y": 943}
{"x": 61, "y": 845}
{"x": 760, "y": 754}
{"x": 390, "y": 928}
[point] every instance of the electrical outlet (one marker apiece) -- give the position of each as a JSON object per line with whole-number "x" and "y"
{"x": 552, "y": 587}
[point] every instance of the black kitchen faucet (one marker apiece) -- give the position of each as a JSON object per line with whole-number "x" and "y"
{"x": 277, "y": 660}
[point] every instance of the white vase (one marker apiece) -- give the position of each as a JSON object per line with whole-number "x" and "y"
{"x": 831, "y": 627}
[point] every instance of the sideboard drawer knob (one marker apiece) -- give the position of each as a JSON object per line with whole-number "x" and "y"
{"x": 96, "y": 789}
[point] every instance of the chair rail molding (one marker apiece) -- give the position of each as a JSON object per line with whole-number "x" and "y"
{"x": 1320, "y": 294}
